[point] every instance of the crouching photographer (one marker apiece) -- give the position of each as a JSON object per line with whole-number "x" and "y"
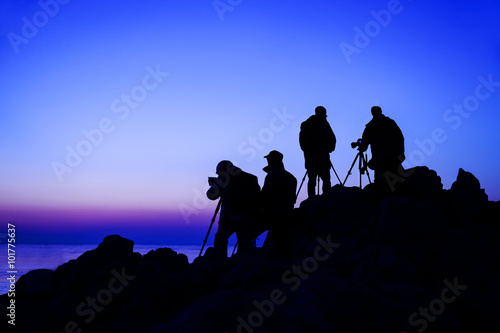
{"x": 239, "y": 194}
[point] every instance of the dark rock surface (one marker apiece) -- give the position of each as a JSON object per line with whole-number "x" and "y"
{"x": 426, "y": 259}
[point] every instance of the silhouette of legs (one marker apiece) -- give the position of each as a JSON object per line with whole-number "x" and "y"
{"x": 325, "y": 177}
{"x": 317, "y": 164}
{"x": 324, "y": 174}
{"x": 311, "y": 183}
{"x": 222, "y": 236}
{"x": 244, "y": 233}
{"x": 242, "y": 226}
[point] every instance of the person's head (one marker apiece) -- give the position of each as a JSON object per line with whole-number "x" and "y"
{"x": 320, "y": 111}
{"x": 274, "y": 157}
{"x": 376, "y": 111}
{"x": 224, "y": 167}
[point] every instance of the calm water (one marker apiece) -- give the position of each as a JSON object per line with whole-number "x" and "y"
{"x": 35, "y": 256}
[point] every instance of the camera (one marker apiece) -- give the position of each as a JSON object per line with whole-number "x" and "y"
{"x": 356, "y": 144}
{"x": 212, "y": 180}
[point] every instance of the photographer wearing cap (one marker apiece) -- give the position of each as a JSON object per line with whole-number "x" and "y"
{"x": 239, "y": 193}
{"x": 278, "y": 200}
{"x": 387, "y": 148}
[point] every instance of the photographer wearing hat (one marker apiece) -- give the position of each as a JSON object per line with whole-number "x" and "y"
{"x": 239, "y": 193}
{"x": 278, "y": 200}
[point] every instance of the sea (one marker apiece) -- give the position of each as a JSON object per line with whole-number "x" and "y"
{"x": 28, "y": 257}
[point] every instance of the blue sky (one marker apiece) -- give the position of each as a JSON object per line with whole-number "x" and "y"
{"x": 152, "y": 94}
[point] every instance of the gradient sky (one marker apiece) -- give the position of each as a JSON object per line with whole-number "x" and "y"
{"x": 167, "y": 89}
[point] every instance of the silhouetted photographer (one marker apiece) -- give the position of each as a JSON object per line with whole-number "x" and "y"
{"x": 278, "y": 200}
{"x": 317, "y": 141}
{"x": 239, "y": 194}
{"x": 387, "y": 148}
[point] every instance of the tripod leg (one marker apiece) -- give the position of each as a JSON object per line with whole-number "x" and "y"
{"x": 366, "y": 168}
{"x": 301, "y": 185}
{"x": 340, "y": 182}
{"x": 211, "y": 224}
{"x": 234, "y": 249}
{"x": 361, "y": 159}
{"x": 350, "y": 169}
{"x": 360, "y": 180}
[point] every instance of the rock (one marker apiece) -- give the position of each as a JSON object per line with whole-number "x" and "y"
{"x": 466, "y": 199}
{"x": 341, "y": 212}
{"x": 33, "y": 307}
{"x": 218, "y": 312}
{"x": 359, "y": 265}
{"x": 113, "y": 249}
{"x": 402, "y": 221}
{"x": 490, "y": 215}
{"x": 423, "y": 184}
{"x": 96, "y": 276}
{"x": 35, "y": 284}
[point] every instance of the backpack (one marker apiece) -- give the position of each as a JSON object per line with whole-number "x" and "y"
{"x": 316, "y": 135}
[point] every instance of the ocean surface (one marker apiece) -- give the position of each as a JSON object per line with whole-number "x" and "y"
{"x": 35, "y": 256}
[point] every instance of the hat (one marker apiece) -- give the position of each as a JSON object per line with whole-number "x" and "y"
{"x": 223, "y": 166}
{"x": 274, "y": 155}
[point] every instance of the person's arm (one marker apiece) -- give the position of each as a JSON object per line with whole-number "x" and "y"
{"x": 265, "y": 193}
{"x": 365, "y": 140}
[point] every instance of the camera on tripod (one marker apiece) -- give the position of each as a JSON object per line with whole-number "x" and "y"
{"x": 362, "y": 166}
{"x": 356, "y": 144}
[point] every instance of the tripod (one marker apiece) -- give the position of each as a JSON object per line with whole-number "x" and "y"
{"x": 236, "y": 245}
{"x": 303, "y": 179}
{"x": 211, "y": 224}
{"x": 362, "y": 167}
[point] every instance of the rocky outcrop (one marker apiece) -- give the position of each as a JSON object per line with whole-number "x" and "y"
{"x": 426, "y": 259}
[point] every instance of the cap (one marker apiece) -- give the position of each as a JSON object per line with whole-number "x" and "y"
{"x": 274, "y": 155}
{"x": 223, "y": 166}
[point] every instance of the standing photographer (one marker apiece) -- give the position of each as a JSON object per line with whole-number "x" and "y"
{"x": 239, "y": 193}
{"x": 278, "y": 199}
{"x": 317, "y": 141}
{"x": 387, "y": 148}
